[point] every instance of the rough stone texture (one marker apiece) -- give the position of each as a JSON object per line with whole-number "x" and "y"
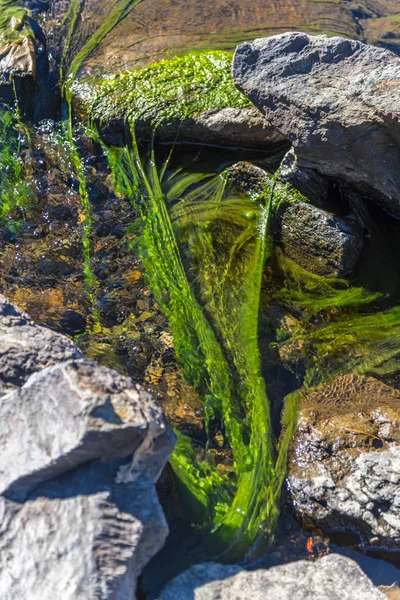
{"x": 26, "y": 348}
{"x": 344, "y": 465}
{"x": 82, "y": 448}
{"x": 320, "y": 241}
{"x": 337, "y": 101}
{"x": 102, "y": 415}
{"x": 80, "y": 537}
{"x": 333, "y": 577}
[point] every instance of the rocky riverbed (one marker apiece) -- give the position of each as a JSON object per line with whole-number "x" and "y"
{"x": 278, "y": 169}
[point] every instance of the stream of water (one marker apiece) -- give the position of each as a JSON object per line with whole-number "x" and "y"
{"x": 160, "y": 268}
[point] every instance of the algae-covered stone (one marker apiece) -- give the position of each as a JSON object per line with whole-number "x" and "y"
{"x": 318, "y": 241}
{"x": 185, "y": 98}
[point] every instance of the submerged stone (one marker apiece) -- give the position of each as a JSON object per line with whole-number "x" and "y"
{"x": 319, "y": 241}
{"x": 338, "y": 102}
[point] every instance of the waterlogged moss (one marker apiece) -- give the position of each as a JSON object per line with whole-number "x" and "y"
{"x": 14, "y": 23}
{"x": 174, "y": 88}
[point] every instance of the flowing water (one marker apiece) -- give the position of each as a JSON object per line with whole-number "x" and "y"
{"x": 160, "y": 268}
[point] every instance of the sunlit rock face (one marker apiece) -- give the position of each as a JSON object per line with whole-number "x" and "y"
{"x": 344, "y": 467}
{"x": 338, "y": 102}
{"x": 82, "y": 448}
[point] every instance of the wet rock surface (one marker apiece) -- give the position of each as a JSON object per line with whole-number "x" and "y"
{"x": 337, "y": 101}
{"x": 244, "y": 127}
{"x": 319, "y": 241}
{"x": 85, "y": 446}
{"x": 344, "y": 460}
{"x": 331, "y": 578}
{"x": 155, "y": 29}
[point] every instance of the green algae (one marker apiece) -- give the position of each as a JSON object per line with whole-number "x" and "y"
{"x": 14, "y": 190}
{"x": 210, "y": 293}
{"x": 174, "y": 88}
{"x": 313, "y": 293}
{"x": 14, "y": 21}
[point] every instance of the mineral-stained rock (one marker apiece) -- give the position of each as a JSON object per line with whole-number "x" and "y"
{"x": 71, "y": 413}
{"x": 333, "y": 577}
{"x": 81, "y": 536}
{"x": 26, "y": 348}
{"x": 344, "y": 467}
{"x": 337, "y": 101}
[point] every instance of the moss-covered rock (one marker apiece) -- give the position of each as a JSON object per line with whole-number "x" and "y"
{"x": 17, "y": 49}
{"x": 190, "y": 98}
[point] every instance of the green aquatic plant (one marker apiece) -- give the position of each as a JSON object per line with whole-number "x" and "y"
{"x": 14, "y": 21}
{"x": 360, "y": 343}
{"x": 14, "y": 190}
{"x": 313, "y": 293}
{"x": 174, "y": 88}
{"x": 210, "y": 293}
{"x": 350, "y": 341}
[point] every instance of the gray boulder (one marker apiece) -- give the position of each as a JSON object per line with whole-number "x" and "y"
{"x": 26, "y": 348}
{"x": 337, "y": 101}
{"x": 71, "y": 413}
{"x": 80, "y": 537}
{"x": 333, "y": 577}
{"x": 82, "y": 448}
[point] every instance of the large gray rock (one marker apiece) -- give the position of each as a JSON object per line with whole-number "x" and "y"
{"x": 71, "y": 413}
{"x": 80, "y": 537}
{"x": 81, "y": 448}
{"x": 337, "y": 101}
{"x": 26, "y": 348}
{"x": 333, "y": 577}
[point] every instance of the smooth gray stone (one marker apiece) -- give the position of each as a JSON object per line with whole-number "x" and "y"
{"x": 333, "y": 577}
